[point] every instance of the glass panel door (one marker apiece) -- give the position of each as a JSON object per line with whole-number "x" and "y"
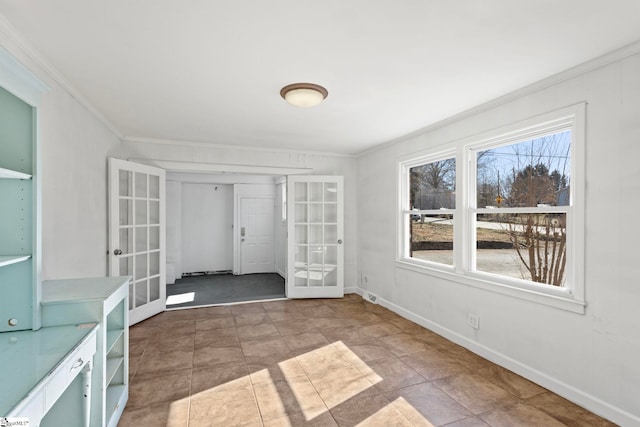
{"x": 315, "y": 237}
{"x": 136, "y": 238}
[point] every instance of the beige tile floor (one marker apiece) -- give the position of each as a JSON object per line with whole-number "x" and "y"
{"x": 322, "y": 363}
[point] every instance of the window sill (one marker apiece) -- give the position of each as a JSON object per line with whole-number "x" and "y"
{"x": 558, "y": 299}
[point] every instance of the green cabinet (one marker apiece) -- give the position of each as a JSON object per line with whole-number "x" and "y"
{"x": 19, "y": 214}
{"x": 103, "y": 300}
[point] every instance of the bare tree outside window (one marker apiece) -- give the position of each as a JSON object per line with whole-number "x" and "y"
{"x": 532, "y": 175}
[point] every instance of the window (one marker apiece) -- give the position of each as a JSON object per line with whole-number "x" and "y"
{"x": 428, "y": 214}
{"x": 502, "y": 211}
{"x": 521, "y": 207}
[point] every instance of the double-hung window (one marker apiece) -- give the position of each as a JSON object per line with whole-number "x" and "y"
{"x": 503, "y": 210}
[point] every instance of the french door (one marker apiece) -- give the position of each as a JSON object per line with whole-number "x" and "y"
{"x": 315, "y": 267}
{"x": 137, "y": 234}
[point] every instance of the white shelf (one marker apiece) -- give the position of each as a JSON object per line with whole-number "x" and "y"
{"x": 114, "y": 393}
{"x": 112, "y": 367}
{"x": 12, "y": 259}
{"x": 112, "y": 337}
{"x": 11, "y": 174}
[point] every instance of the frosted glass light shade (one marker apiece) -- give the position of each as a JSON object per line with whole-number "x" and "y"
{"x": 304, "y": 94}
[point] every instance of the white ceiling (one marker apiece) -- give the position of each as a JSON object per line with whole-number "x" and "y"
{"x": 211, "y": 70}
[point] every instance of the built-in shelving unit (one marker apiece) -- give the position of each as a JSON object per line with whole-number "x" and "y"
{"x": 104, "y": 300}
{"x": 19, "y": 216}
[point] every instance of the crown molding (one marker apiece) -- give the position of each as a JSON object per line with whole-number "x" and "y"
{"x": 202, "y": 167}
{"x": 578, "y": 70}
{"x": 144, "y": 140}
{"x": 32, "y": 53}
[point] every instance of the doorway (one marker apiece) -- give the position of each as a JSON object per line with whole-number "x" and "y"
{"x": 226, "y": 241}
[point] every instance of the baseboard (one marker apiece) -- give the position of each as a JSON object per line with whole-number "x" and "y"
{"x": 351, "y": 290}
{"x": 561, "y": 388}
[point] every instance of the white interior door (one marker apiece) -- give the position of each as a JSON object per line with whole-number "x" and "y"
{"x": 137, "y": 234}
{"x": 257, "y": 235}
{"x": 315, "y": 267}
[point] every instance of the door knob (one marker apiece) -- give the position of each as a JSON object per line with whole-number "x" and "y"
{"x": 339, "y": 241}
{"x": 117, "y": 252}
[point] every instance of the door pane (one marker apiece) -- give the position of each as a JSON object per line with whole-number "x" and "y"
{"x": 301, "y": 192}
{"x": 301, "y": 212}
{"x": 154, "y": 187}
{"x": 330, "y": 234}
{"x": 141, "y": 266}
{"x": 330, "y": 276}
{"x": 331, "y": 256}
{"x": 141, "y": 212}
{"x": 154, "y": 263}
{"x": 126, "y": 265}
{"x": 141, "y": 293}
{"x": 301, "y": 234}
{"x": 301, "y": 277}
{"x": 154, "y": 288}
{"x": 141, "y": 185}
{"x": 154, "y": 212}
{"x": 330, "y": 192}
{"x": 315, "y": 234}
{"x": 154, "y": 238}
{"x": 315, "y": 191}
{"x": 301, "y": 256}
{"x": 126, "y": 240}
{"x": 126, "y": 183}
{"x": 315, "y": 212}
{"x": 331, "y": 213}
{"x": 126, "y": 212}
{"x": 141, "y": 239}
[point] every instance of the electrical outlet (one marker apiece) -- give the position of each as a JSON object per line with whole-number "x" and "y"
{"x": 474, "y": 321}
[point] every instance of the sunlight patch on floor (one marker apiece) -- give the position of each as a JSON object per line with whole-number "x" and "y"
{"x": 181, "y": 298}
{"x": 314, "y": 383}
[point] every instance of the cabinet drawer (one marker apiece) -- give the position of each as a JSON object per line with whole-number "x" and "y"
{"x": 68, "y": 370}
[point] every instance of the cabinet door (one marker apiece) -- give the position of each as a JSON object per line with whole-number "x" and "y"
{"x": 137, "y": 234}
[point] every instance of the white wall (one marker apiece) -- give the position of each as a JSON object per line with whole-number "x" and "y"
{"x": 592, "y": 358}
{"x": 207, "y": 227}
{"x": 74, "y": 150}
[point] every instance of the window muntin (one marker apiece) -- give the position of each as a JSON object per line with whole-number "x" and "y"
{"x": 431, "y": 199}
{"x": 531, "y": 179}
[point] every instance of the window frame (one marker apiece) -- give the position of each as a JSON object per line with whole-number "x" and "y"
{"x": 571, "y": 297}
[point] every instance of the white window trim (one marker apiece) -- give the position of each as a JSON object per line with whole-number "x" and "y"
{"x": 570, "y": 298}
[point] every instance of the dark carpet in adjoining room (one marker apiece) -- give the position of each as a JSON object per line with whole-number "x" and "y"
{"x": 227, "y": 288}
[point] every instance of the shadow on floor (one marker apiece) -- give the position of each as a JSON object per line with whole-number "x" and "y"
{"x": 212, "y": 289}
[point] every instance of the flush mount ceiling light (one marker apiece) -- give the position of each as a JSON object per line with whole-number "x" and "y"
{"x": 304, "y": 94}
